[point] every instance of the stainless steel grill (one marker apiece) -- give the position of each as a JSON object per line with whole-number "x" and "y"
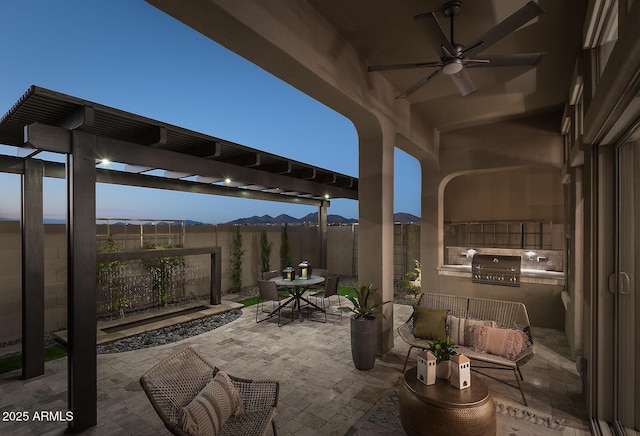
{"x": 496, "y": 270}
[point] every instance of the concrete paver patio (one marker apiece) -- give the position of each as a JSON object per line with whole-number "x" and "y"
{"x": 321, "y": 393}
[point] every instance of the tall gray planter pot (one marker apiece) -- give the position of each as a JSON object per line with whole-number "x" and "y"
{"x": 364, "y": 343}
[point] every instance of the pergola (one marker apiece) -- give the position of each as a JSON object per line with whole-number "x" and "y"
{"x": 87, "y": 132}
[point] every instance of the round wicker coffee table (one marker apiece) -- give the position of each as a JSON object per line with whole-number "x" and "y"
{"x": 441, "y": 409}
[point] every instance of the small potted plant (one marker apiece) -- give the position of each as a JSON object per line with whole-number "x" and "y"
{"x": 413, "y": 281}
{"x": 364, "y": 334}
{"x": 442, "y": 349}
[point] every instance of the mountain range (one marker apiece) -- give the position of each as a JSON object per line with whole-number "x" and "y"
{"x": 312, "y": 218}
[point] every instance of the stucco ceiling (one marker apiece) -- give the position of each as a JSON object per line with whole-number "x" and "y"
{"x": 384, "y": 32}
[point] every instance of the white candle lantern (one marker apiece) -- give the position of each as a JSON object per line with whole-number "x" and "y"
{"x": 288, "y": 273}
{"x": 304, "y": 270}
{"x": 426, "y": 371}
{"x": 460, "y": 371}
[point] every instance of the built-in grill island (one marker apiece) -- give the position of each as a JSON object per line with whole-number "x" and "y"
{"x": 496, "y": 269}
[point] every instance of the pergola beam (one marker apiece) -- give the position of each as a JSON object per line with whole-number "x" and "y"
{"x": 245, "y": 160}
{"x": 13, "y": 165}
{"x": 81, "y": 117}
{"x": 137, "y": 168}
{"x": 326, "y": 178}
{"x": 55, "y": 139}
{"x": 282, "y": 167}
{"x": 48, "y": 138}
{"x": 206, "y": 150}
{"x": 156, "y": 135}
{"x": 304, "y": 173}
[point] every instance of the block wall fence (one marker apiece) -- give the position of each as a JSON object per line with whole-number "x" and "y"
{"x": 342, "y": 249}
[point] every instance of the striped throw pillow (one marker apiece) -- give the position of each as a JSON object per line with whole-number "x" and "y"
{"x": 460, "y": 329}
{"x": 210, "y": 409}
{"x": 509, "y": 343}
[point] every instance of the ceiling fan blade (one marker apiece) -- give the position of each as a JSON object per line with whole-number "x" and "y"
{"x": 463, "y": 82}
{"x": 437, "y": 38}
{"x": 419, "y": 84}
{"x": 508, "y": 60}
{"x": 513, "y": 22}
{"x": 404, "y": 66}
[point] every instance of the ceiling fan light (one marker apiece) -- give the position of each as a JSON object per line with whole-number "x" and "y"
{"x": 454, "y": 66}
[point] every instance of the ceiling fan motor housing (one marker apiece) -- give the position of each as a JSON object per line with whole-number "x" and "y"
{"x": 452, "y": 66}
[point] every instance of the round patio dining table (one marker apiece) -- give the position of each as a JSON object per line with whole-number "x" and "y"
{"x": 297, "y": 289}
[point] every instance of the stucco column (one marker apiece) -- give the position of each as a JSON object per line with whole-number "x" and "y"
{"x": 375, "y": 217}
{"x": 431, "y": 225}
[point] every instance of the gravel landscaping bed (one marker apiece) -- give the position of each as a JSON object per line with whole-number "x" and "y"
{"x": 170, "y": 334}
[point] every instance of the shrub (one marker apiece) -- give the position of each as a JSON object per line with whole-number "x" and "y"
{"x": 236, "y": 262}
{"x": 265, "y": 252}
{"x": 285, "y": 259}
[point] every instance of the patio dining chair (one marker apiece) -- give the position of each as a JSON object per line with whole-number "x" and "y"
{"x": 185, "y": 380}
{"x": 323, "y": 297}
{"x": 268, "y": 275}
{"x": 322, "y": 272}
{"x": 319, "y": 272}
{"x": 269, "y": 293}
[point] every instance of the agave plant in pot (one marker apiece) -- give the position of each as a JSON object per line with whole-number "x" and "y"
{"x": 364, "y": 331}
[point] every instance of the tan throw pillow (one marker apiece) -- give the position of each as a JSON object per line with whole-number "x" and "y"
{"x": 210, "y": 409}
{"x": 460, "y": 329}
{"x": 509, "y": 343}
{"x": 429, "y": 323}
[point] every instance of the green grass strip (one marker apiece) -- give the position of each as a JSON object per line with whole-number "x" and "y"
{"x": 343, "y": 290}
{"x": 12, "y": 363}
{"x": 249, "y": 301}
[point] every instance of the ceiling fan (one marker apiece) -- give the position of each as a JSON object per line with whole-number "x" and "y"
{"x": 456, "y": 58}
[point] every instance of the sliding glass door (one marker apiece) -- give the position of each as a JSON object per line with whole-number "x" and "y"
{"x": 627, "y": 316}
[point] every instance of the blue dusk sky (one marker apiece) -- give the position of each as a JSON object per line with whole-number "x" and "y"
{"x": 128, "y": 55}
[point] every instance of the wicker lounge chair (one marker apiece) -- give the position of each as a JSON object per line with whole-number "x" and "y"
{"x": 174, "y": 382}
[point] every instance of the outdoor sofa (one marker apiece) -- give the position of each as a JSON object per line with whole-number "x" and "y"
{"x": 469, "y": 319}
